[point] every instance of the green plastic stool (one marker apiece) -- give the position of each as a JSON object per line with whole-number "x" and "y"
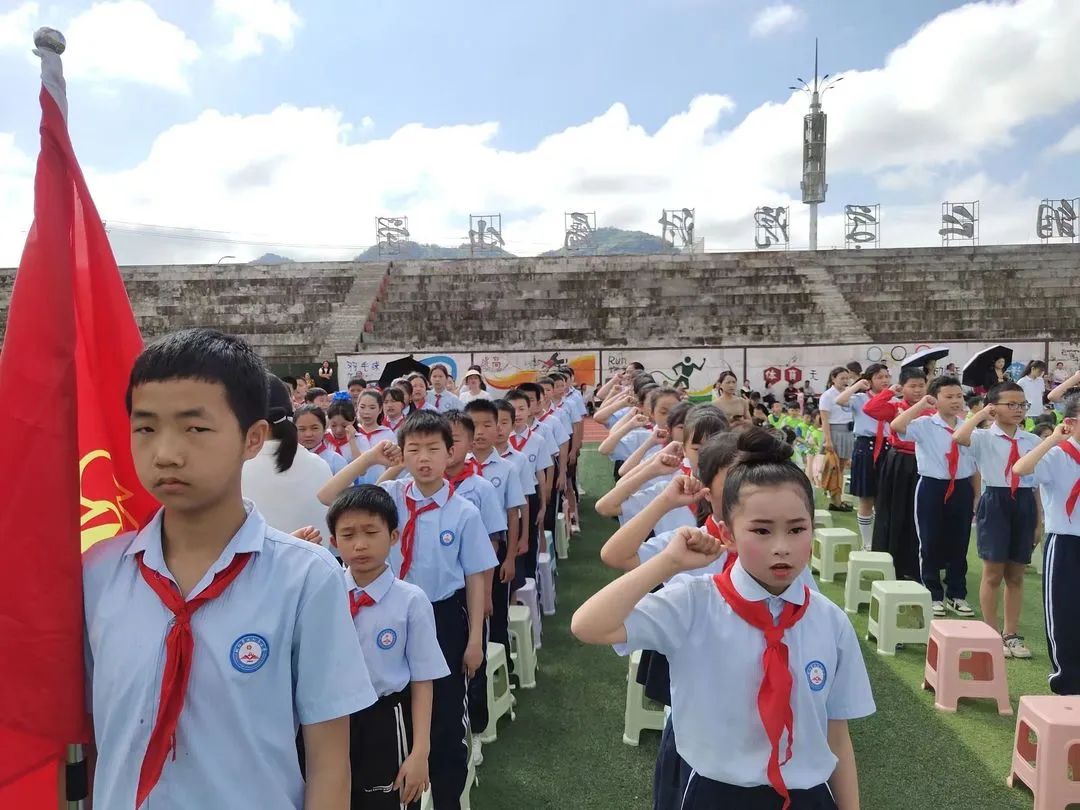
{"x": 860, "y": 563}
{"x": 891, "y": 601}
{"x": 830, "y": 551}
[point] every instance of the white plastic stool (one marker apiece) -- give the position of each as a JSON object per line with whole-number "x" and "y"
{"x": 887, "y": 601}
{"x": 822, "y": 519}
{"x": 562, "y": 536}
{"x": 522, "y": 650}
{"x": 526, "y": 595}
{"x": 545, "y": 572}
{"x": 865, "y": 562}
{"x": 826, "y": 547}
{"x": 638, "y": 716}
{"x": 499, "y": 699}
{"x": 550, "y": 538}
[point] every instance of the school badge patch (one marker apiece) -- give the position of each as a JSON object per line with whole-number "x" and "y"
{"x": 816, "y": 675}
{"x": 447, "y": 538}
{"x": 249, "y": 653}
{"x": 496, "y": 482}
{"x": 386, "y": 638}
{"x": 532, "y": 458}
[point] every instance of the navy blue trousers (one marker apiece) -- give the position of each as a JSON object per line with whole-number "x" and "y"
{"x": 448, "y": 760}
{"x": 1061, "y": 601}
{"x": 944, "y": 530}
{"x": 706, "y": 794}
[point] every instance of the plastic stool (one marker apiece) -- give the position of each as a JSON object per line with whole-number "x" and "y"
{"x": 499, "y": 699}
{"x": 827, "y": 547}
{"x": 865, "y": 562}
{"x": 522, "y": 650}
{"x": 638, "y": 717}
{"x": 822, "y": 519}
{"x": 545, "y": 572}
{"x": 945, "y": 663}
{"x": 550, "y": 537}
{"x": 887, "y": 601}
{"x": 1043, "y": 765}
{"x": 1037, "y": 558}
{"x": 526, "y": 595}
{"x": 562, "y": 536}
{"x": 428, "y": 803}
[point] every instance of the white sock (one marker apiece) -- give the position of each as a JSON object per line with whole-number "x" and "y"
{"x": 866, "y": 529}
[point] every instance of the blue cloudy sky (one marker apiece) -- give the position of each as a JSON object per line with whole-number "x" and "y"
{"x": 289, "y": 125}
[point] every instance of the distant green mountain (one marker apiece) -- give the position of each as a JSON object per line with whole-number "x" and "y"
{"x": 413, "y": 250}
{"x": 270, "y": 258}
{"x": 615, "y": 241}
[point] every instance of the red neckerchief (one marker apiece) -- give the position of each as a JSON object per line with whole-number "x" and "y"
{"x": 1014, "y": 456}
{"x": 546, "y": 415}
{"x": 358, "y": 603}
{"x": 712, "y": 528}
{"x": 393, "y": 427}
{"x": 470, "y": 469}
{"x": 879, "y": 443}
{"x": 408, "y": 534}
{"x": 774, "y": 696}
{"x": 684, "y": 468}
{"x": 368, "y": 434}
{"x": 335, "y": 442}
{"x": 320, "y": 447}
{"x": 1072, "y": 452}
{"x": 524, "y": 438}
{"x": 179, "y": 652}
{"x": 952, "y": 458}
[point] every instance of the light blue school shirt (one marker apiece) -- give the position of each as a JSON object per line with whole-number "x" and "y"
{"x": 397, "y": 634}
{"x": 559, "y": 431}
{"x": 547, "y": 433}
{"x": 616, "y": 417}
{"x": 991, "y": 450}
{"x": 480, "y": 493}
{"x": 864, "y": 425}
{"x": 707, "y": 644}
{"x": 504, "y": 476}
{"x": 274, "y": 651}
{"x": 565, "y": 414}
{"x": 363, "y": 444}
{"x": 576, "y": 403}
{"x": 654, "y": 545}
{"x": 1056, "y": 474}
{"x": 932, "y": 442}
{"x": 631, "y": 442}
{"x": 676, "y": 518}
{"x": 535, "y": 450}
{"x": 447, "y": 401}
{"x": 451, "y": 542}
{"x": 526, "y": 474}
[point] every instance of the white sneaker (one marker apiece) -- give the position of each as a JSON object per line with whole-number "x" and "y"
{"x": 477, "y": 752}
{"x": 1015, "y": 647}
{"x": 960, "y": 607}
{"x": 938, "y": 609}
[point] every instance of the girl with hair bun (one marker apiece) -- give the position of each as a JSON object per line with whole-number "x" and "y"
{"x": 788, "y": 658}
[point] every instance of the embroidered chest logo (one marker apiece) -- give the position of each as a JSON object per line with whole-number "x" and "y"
{"x": 816, "y": 675}
{"x": 386, "y": 638}
{"x": 249, "y": 653}
{"x": 496, "y": 482}
{"x": 447, "y": 538}
{"x": 532, "y": 458}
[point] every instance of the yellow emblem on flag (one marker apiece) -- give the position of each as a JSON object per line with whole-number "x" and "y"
{"x": 101, "y": 517}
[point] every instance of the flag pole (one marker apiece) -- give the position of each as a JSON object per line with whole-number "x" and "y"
{"x": 49, "y": 44}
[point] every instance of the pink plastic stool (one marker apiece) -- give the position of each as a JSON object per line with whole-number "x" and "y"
{"x": 1044, "y": 765}
{"x": 949, "y": 639}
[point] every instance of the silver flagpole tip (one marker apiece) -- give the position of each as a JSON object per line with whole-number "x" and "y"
{"x": 50, "y": 39}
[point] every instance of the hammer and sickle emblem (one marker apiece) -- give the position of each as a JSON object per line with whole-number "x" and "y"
{"x": 105, "y": 517}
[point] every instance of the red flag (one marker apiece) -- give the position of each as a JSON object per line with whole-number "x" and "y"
{"x": 69, "y": 480}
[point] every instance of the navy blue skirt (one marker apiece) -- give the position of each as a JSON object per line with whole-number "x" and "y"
{"x": 864, "y": 472}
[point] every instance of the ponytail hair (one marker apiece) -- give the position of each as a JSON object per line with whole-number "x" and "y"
{"x": 836, "y": 372}
{"x": 282, "y": 427}
{"x": 763, "y": 460}
{"x": 1034, "y": 365}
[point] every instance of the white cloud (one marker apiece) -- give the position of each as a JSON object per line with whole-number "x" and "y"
{"x": 1068, "y": 145}
{"x": 125, "y": 41}
{"x": 18, "y": 25}
{"x": 254, "y": 21}
{"x": 923, "y": 124}
{"x": 775, "y": 18}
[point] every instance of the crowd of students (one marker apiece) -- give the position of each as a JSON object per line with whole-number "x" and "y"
{"x": 305, "y": 620}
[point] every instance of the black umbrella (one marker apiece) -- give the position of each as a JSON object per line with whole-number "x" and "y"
{"x": 979, "y": 370}
{"x": 920, "y": 359}
{"x": 402, "y": 367}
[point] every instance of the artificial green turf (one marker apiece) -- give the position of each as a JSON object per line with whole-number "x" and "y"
{"x": 565, "y": 748}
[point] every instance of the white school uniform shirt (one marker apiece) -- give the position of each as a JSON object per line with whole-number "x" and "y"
{"x": 465, "y": 396}
{"x": 526, "y": 471}
{"x": 480, "y": 493}
{"x": 364, "y": 443}
{"x": 615, "y": 417}
{"x": 446, "y": 401}
{"x": 657, "y": 543}
{"x": 707, "y": 644}
{"x": 991, "y": 452}
{"x": 559, "y": 430}
{"x": 235, "y": 741}
{"x": 676, "y": 518}
{"x": 932, "y": 443}
{"x": 346, "y": 450}
{"x": 838, "y": 414}
{"x": 576, "y": 403}
{"x": 864, "y": 425}
{"x": 631, "y": 442}
{"x": 451, "y": 542}
{"x": 397, "y": 634}
{"x": 1056, "y": 474}
{"x": 504, "y": 476}
{"x": 1034, "y": 390}
{"x": 335, "y": 462}
{"x": 547, "y": 433}
{"x": 287, "y": 500}
{"x": 536, "y": 450}
{"x": 564, "y": 413}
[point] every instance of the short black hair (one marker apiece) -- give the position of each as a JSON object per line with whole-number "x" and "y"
{"x": 482, "y": 406}
{"x": 341, "y": 407}
{"x": 912, "y": 373}
{"x": 357, "y": 381}
{"x": 314, "y": 410}
{"x": 459, "y": 417}
{"x": 943, "y": 382}
{"x": 994, "y": 394}
{"x": 208, "y": 356}
{"x": 503, "y": 406}
{"x": 364, "y": 498}
{"x": 717, "y": 454}
{"x": 533, "y": 388}
{"x": 314, "y": 392}
{"x": 1072, "y": 406}
{"x": 704, "y": 421}
{"x": 423, "y": 422}
{"x": 542, "y": 381}
{"x": 635, "y": 365}
{"x": 517, "y": 395}
{"x": 855, "y": 367}
{"x": 678, "y": 414}
{"x": 557, "y": 375}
